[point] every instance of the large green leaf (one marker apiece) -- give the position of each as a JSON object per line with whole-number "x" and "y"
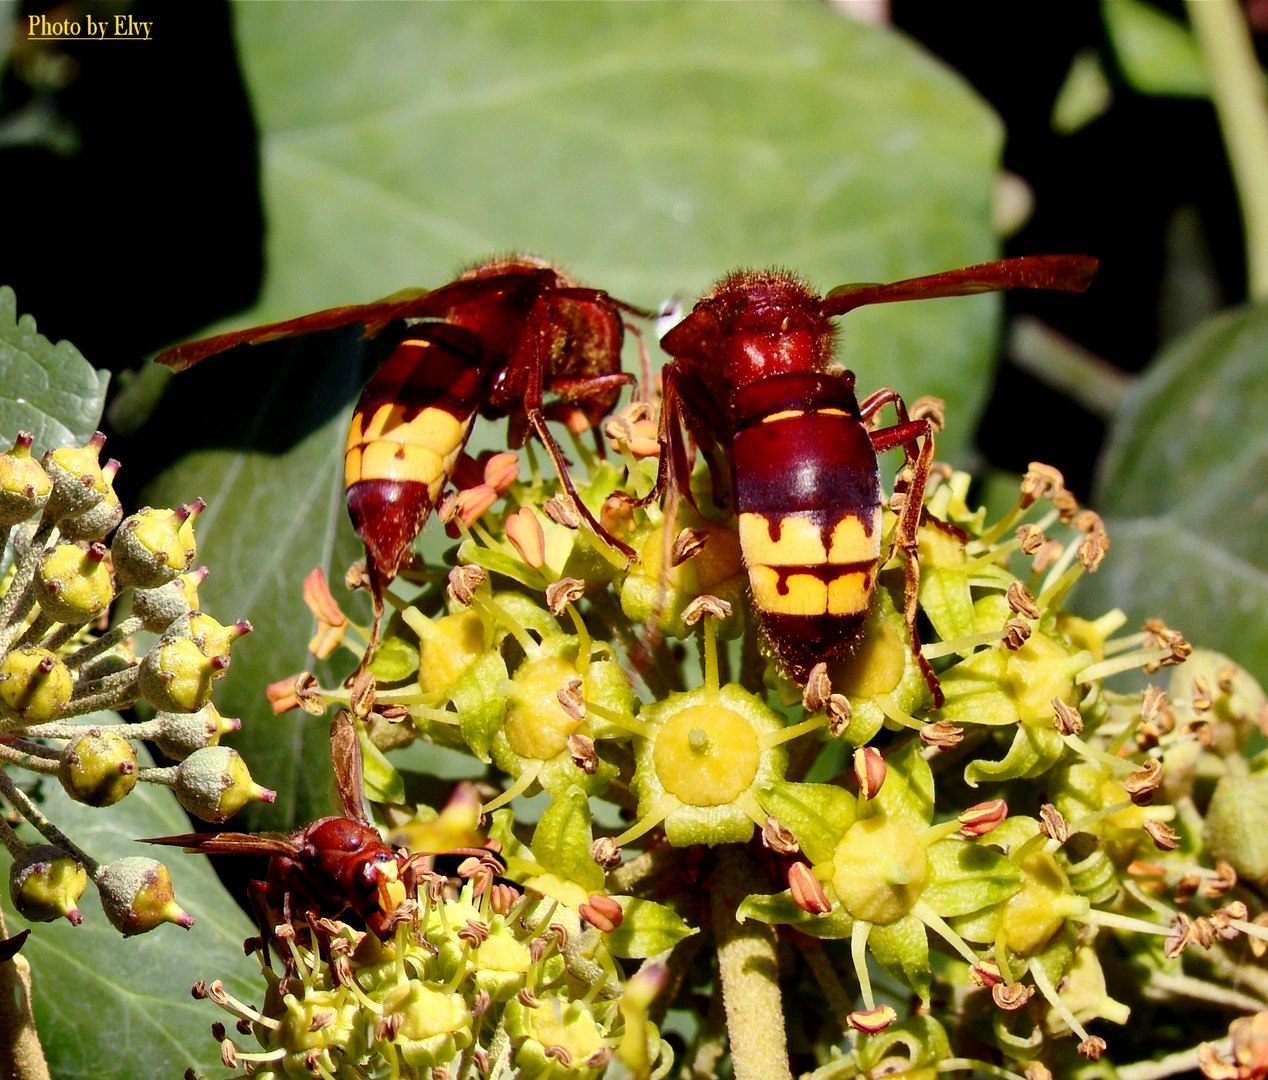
{"x": 1182, "y": 487}
{"x": 648, "y": 147}
{"x": 106, "y": 1006}
{"x": 46, "y": 389}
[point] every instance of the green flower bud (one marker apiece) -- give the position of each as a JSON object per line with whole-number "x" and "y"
{"x": 211, "y": 637}
{"x": 136, "y": 894}
{"x": 323, "y": 1021}
{"x": 213, "y": 784}
{"x": 158, "y": 608}
{"x": 181, "y": 734}
{"x": 152, "y": 547}
{"x": 1234, "y": 827}
{"x": 175, "y": 676}
{"x": 24, "y": 486}
{"x": 34, "y": 684}
{"x": 78, "y": 482}
{"x": 1033, "y": 916}
{"x": 73, "y": 583}
{"x": 99, "y": 768}
{"x": 96, "y": 522}
{"x": 45, "y": 883}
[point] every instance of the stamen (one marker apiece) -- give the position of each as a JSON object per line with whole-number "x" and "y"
{"x": 666, "y": 806}
{"x": 960, "y": 646}
{"x": 858, "y": 953}
{"x": 518, "y": 788}
{"x": 1049, "y": 991}
{"x": 931, "y": 919}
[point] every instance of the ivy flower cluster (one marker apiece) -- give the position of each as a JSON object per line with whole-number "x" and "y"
{"x": 69, "y": 553}
{"x": 1017, "y": 870}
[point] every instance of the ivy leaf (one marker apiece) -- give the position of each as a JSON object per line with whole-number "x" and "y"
{"x": 1180, "y": 485}
{"x": 647, "y": 929}
{"x": 138, "y": 986}
{"x": 49, "y": 390}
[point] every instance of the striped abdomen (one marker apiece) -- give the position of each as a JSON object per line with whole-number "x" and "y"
{"x": 807, "y": 491}
{"x": 407, "y": 431}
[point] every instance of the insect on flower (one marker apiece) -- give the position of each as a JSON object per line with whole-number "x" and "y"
{"x": 496, "y": 341}
{"x": 751, "y": 374}
{"x": 335, "y": 865}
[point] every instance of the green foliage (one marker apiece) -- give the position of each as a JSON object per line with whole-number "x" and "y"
{"x": 1155, "y": 51}
{"x": 49, "y": 390}
{"x": 1181, "y": 487}
{"x": 107, "y": 1006}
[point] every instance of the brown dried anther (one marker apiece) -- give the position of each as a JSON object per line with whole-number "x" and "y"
{"x": 1152, "y": 701}
{"x": 818, "y": 688}
{"x": 572, "y": 699}
{"x": 581, "y": 750}
{"x": 777, "y": 837}
{"x": 1160, "y": 636}
{"x": 463, "y": 582}
{"x": 605, "y": 852}
{"x": 1200, "y": 694}
{"x": 839, "y": 714}
{"x": 1053, "y": 824}
{"x": 562, "y": 511}
{"x": 1011, "y": 996}
{"x": 563, "y": 592}
{"x": 1164, "y": 837}
{"x": 1092, "y": 550}
{"x": 1222, "y": 881}
{"x": 1021, "y": 601}
{"x": 943, "y": 735}
{"x": 687, "y": 544}
{"x": 1142, "y": 784}
{"x": 1040, "y": 481}
{"x": 705, "y": 605}
{"x": 1047, "y": 554}
{"x": 1066, "y": 718}
{"x": 1037, "y": 1070}
{"x": 1092, "y": 1047}
{"x": 1031, "y": 537}
{"x": 930, "y": 408}
{"x": 1016, "y": 634}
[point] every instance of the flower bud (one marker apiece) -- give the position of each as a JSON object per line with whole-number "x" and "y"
{"x": 136, "y": 894}
{"x": 24, "y": 486}
{"x": 152, "y": 547}
{"x": 98, "y": 768}
{"x": 34, "y": 684}
{"x": 78, "y": 483}
{"x": 211, "y": 637}
{"x": 45, "y": 883}
{"x": 175, "y": 676}
{"x": 213, "y": 784}
{"x": 158, "y": 608}
{"x": 98, "y": 521}
{"x": 181, "y": 734}
{"x": 73, "y": 584}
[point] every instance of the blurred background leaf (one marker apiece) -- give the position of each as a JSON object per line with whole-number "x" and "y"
{"x": 106, "y": 1006}
{"x": 1184, "y": 490}
{"x": 647, "y": 148}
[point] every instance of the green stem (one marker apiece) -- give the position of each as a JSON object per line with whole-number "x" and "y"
{"x": 1237, "y": 89}
{"x": 749, "y": 973}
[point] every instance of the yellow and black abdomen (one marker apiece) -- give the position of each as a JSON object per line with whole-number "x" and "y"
{"x": 408, "y": 428}
{"x": 807, "y": 491}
